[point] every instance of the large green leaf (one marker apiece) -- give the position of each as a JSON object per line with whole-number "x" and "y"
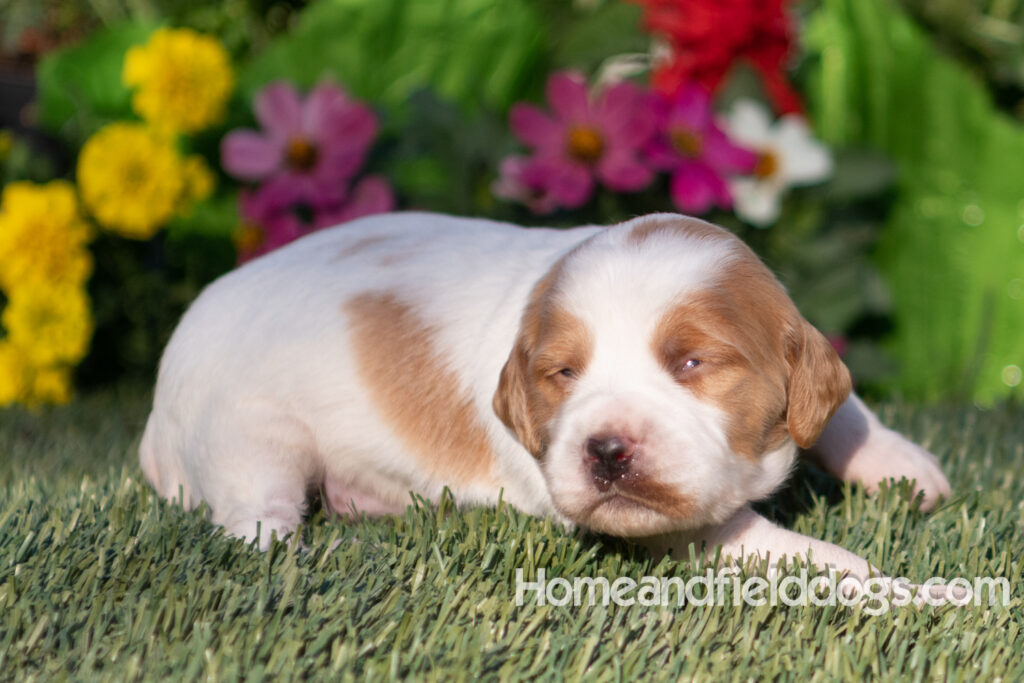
{"x": 472, "y": 51}
{"x": 80, "y": 87}
{"x": 953, "y": 248}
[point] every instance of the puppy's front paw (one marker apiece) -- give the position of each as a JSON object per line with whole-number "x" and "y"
{"x": 886, "y": 455}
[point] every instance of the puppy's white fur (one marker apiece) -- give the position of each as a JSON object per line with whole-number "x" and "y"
{"x": 319, "y": 366}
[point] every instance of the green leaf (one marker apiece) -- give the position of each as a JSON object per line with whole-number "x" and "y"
{"x": 952, "y": 250}
{"x": 611, "y": 29}
{"x": 80, "y": 87}
{"x": 471, "y": 51}
{"x": 860, "y": 174}
{"x": 216, "y": 217}
{"x": 443, "y": 157}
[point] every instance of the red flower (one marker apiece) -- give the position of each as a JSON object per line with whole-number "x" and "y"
{"x": 708, "y": 37}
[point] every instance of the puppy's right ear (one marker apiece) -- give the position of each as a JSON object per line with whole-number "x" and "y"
{"x": 512, "y": 399}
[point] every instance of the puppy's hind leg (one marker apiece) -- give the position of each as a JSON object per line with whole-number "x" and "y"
{"x": 258, "y": 474}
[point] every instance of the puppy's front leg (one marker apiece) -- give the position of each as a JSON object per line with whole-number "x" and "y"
{"x": 856, "y": 447}
{"x": 747, "y": 535}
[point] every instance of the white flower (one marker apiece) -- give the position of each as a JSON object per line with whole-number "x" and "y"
{"x": 622, "y": 67}
{"x": 788, "y": 156}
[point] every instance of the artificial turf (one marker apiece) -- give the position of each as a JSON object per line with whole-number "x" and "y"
{"x": 100, "y": 580}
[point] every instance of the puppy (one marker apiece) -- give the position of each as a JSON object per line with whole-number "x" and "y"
{"x": 648, "y": 380}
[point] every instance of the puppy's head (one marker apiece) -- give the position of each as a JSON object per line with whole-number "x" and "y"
{"x": 663, "y": 378}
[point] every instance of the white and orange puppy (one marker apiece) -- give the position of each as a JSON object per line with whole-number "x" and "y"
{"x": 648, "y": 380}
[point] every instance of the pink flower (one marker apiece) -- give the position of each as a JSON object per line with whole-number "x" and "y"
{"x": 696, "y": 152}
{"x": 269, "y": 221}
{"x": 518, "y": 181}
{"x": 370, "y": 195}
{"x": 306, "y": 157}
{"x": 310, "y": 148}
{"x": 271, "y": 215}
{"x": 582, "y": 141}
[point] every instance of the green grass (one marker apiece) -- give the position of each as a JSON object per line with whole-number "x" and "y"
{"x": 99, "y": 580}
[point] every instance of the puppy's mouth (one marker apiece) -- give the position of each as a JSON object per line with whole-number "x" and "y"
{"x": 635, "y": 507}
{"x": 616, "y": 498}
{"x": 658, "y": 498}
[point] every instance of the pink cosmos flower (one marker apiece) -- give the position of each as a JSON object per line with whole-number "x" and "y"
{"x": 307, "y": 147}
{"x": 268, "y": 221}
{"x": 271, "y": 216}
{"x": 692, "y": 147}
{"x": 370, "y": 195}
{"x": 581, "y": 141}
{"x": 306, "y": 157}
{"x": 518, "y": 181}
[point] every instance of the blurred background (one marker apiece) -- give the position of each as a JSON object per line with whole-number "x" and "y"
{"x": 871, "y": 151}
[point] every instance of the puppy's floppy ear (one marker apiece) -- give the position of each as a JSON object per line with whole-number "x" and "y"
{"x": 512, "y": 399}
{"x": 818, "y": 384}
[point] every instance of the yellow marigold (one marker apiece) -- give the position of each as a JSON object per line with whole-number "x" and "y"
{"x": 132, "y": 179}
{"x": 50, "y": 324}
{"x": 50, "y": 385}
{"x": 42, "y": 236}
{"x": 199, "y": 179}
{"x": 182, "y": 79}
{"x": 14, "y": 374}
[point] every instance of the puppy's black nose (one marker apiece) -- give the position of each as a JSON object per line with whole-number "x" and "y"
{"x": 609, "y": 456}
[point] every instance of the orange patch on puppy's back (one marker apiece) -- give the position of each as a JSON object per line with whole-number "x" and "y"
{"x": 415, "y": 392}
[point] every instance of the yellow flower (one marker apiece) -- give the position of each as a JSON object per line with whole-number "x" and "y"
{"x": 51, "y": 325}
{"x": 50, "y": 385}
{"x": 132, "y": 179}
{"x": 199, "y": 179}
{"x": 42, "y": 236}
{"x": 14, "y": 375}
{"x": 182, "y": 79}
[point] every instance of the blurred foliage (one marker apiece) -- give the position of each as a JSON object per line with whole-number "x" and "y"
{"x": 952, "y": 249}
{"x": 936, "y": 280}
{"x": 20, "y": 160}
{"x": 470, "y": 51}
{"x": 34, "y": 27}
{"x": 80, "y": 87}
{"x": 986, "y": 34}
{"x": 441, "y": 158}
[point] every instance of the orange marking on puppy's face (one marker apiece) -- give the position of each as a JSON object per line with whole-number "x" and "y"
{"x": 743, "y": 346}
{"x": 677, "y": 340}
{"x": 550, "y": 353}
{"x": 415, "y": 392}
